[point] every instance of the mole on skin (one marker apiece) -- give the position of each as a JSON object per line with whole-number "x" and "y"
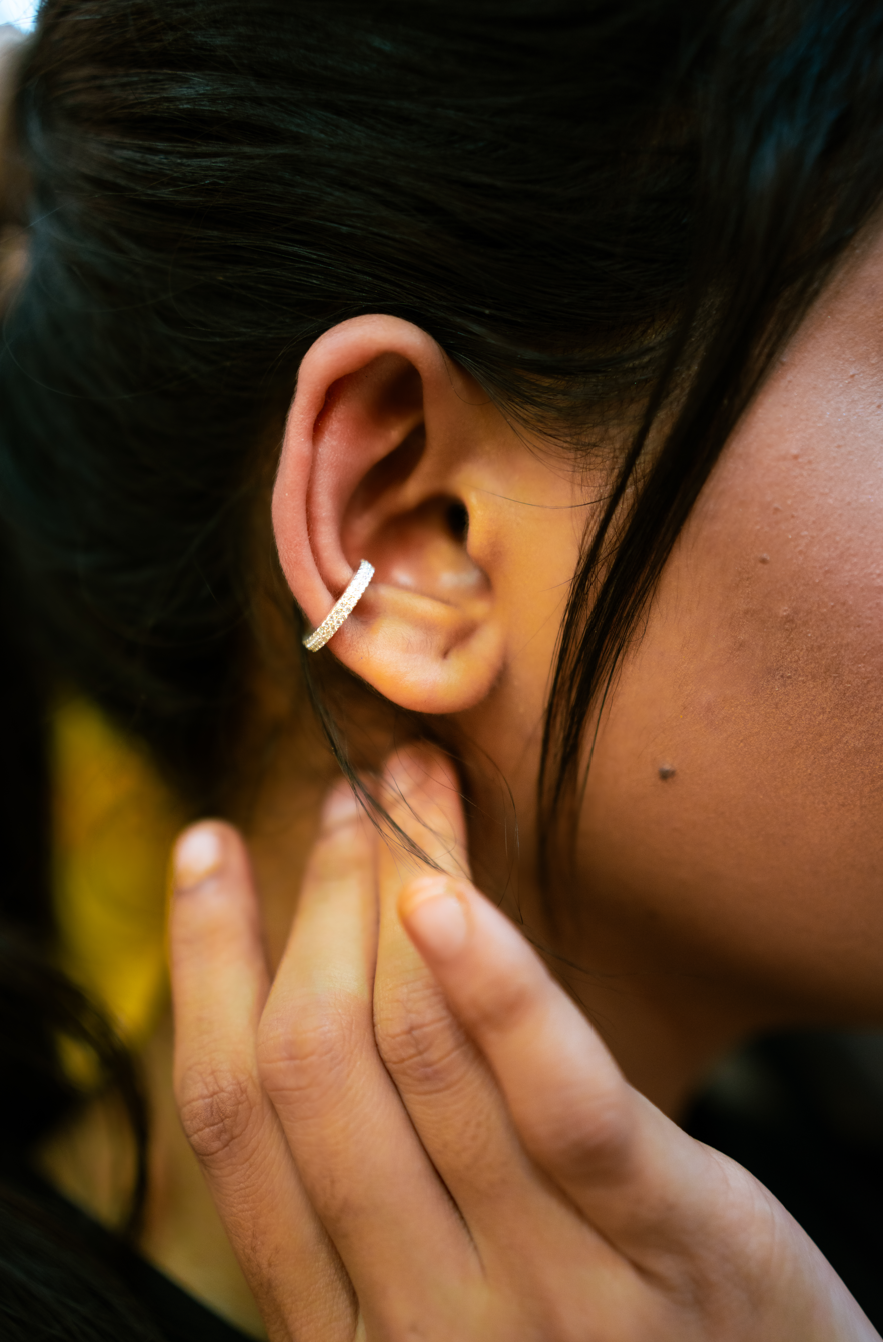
{"x": 666, "y": 771}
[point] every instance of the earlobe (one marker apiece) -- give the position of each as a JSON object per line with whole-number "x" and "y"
{"x": 374, "y": 467}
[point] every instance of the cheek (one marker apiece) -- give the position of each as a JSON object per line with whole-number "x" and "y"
{"x": 736, "y": 798}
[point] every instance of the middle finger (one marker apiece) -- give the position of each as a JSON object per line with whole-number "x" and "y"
{"x": 358, "y": 1155}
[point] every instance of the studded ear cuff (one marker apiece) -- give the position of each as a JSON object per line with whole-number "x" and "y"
{"x": 342, "y": 609}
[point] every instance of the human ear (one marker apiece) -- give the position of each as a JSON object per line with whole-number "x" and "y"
{"x": 377, "y": 463}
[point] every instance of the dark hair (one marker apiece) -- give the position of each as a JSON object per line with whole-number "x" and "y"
{"x": 601, "y": 210}
{"x": 44, "y": 1278}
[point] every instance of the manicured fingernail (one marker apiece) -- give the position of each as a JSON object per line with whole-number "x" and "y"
{"x": 435, "y": 917}
{"x": 341, "y": 806}
{"x": 199, "y": 854}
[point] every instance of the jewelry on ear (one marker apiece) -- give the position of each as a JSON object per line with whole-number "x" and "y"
{"x": 342, "y": 609}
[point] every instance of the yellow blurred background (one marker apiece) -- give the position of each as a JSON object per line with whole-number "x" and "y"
{"x": 114, "y": 825}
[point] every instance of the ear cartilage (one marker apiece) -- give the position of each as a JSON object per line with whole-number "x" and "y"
{"x": 342, "y": 609}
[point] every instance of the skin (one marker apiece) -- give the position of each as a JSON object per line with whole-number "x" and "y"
{"x": 736, "y": 890}
{"x": 743, "y": 890}
{"x": 412, "y": 1131}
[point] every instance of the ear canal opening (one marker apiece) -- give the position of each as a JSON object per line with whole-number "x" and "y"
{"x": 457, "y": 517}
{"x": 424, "y": 550}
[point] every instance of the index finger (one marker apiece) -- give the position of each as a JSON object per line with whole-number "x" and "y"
{"x": 619, "y": 1159}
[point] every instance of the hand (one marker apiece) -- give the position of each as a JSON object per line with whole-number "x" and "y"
{"x": 414, "y": 1133}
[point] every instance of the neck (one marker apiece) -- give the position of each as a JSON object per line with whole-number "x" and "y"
{"x": 666, "y": 1013}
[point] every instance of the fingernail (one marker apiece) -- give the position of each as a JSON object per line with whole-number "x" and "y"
{"x": 435, "y": 917}
{"x": 199, "y": 854}
{"x": 341, "y": 806}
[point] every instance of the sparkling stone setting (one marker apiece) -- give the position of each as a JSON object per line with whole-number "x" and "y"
{"x": 342, "y": 609}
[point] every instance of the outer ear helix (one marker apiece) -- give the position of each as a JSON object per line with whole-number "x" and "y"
{"x": 342, "y": 608}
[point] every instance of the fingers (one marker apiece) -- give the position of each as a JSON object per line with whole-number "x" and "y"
{"x": 441, "y": 1076}
{"x": 361, "y": 1162}
{"x": 220, "y": 984}
{"x": 424, "y": 802}
{"x": 619, "y": 1159}
{"x": 447, "y": 1086}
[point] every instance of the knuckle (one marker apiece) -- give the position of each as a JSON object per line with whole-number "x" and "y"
{"x": 216, "y": 1106}
{"x": 307, "y": 1053}
{"x": 502, "y": 1004}
{"x": 590, "y": 1138}
{"x": 418, "y": 1040}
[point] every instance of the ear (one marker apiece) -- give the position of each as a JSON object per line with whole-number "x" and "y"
{"x": 379, "y": 449}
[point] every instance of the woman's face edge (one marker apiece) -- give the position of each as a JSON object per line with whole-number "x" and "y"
{"x": 735, "y": 803}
